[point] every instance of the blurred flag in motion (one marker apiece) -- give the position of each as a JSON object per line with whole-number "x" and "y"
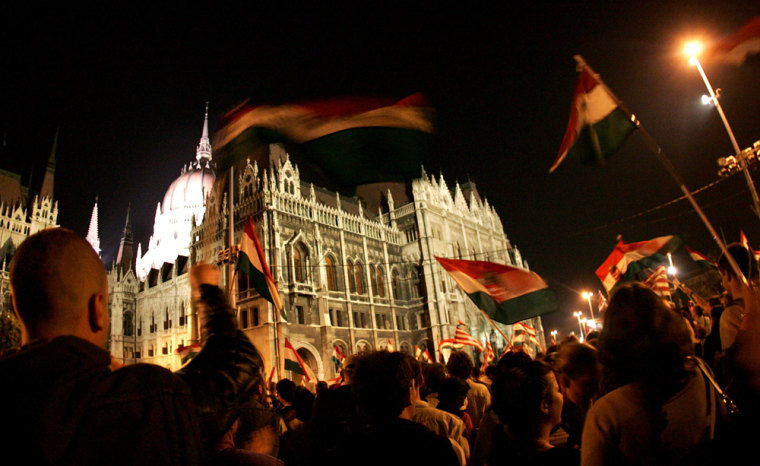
{"x": 353, "y": 140}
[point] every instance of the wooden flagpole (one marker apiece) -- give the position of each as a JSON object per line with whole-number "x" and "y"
{"x": 654, "y": 147}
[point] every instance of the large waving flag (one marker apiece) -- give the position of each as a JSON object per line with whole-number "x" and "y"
{"x": 462, "y": 337}
{"x": 597, "y": 126}
{"x": 353, "y": 140}
{"x": 293, "y": 361}
{"x": 251, "y": 260}
{"x": 507, "y": 294}
{"x": 735, "y": 48}
{"x": 628, "y": 260}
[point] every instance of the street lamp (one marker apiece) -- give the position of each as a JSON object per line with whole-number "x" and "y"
{"x": 554, "y": 336}
{"x": 693, "y": 49}
{"x": 587, "y": 296}
{"x": 671, "y": 269}
{"x": 577, "y": 315}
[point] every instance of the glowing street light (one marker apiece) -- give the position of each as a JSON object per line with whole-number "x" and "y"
{"x": 671, "y": 269}
{"x": 554, "y": 336}
{"x": 693, "y": 49}
{"x": 587, "y": 296}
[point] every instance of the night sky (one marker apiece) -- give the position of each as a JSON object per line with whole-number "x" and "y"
{"x": 127, "y": 90}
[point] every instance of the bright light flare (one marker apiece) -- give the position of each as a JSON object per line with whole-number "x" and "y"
{"x": 587, "y": 294}
{"x": 672, "y": 270}
{"x": 693, "y": 49}
{"x": 706, "y": 99}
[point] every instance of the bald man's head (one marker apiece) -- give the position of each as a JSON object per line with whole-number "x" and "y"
{"x": 59, "y": 287}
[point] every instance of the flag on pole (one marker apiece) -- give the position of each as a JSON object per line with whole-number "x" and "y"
{"x": 427, "y": 357}
{"x": 658, "y": 282}
{"x": 597, "y": 126}
{"x": 293, "y": 361}
{"x": 337, "y": 357}
{"x": 601, "y": 301}
{"x": 462, "y": 337}
{"x": 701, "y": 260}
{"x": 507, "y": 294}
{"x": 353, "y": 140}
{"x": 523, "y": 328}
{"x": 251, "y": 260}
{"x": 628, "y": 260}
{"x": 187, "y": 353}
{"x": 389, "y": 346}
{"x": 271, "y": 374}
{"x": 488, "y": 356}
{"x": 745, "y": 243}
{"x": 335, "y": 382}
{"x": 735, "y": 48}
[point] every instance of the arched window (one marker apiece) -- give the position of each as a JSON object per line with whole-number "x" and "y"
{"x": 351, "y": 278}
{"x": 128, "y": 324}
{"x": 359, "y": 272}
{"x": 380, "y": 282}
{"x": 298, "y": 265}
{"x": 330, "y": 274}
{"x": 396, "y": 284}
{"x": 372, "y": 284}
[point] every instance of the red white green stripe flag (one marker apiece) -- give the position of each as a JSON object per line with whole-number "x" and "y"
{"x": 293, "y": 361}
{"x": 353, "y": 140}
{"x": 187, "y": 353}
{"x": 507, "y": 294}
{"x": 701, "y": 260}
{"x": 735, "y": 48}
{"x": 251, "y": 260}
{"x": 597, "y": 126}
{"x": 627, "y": 261}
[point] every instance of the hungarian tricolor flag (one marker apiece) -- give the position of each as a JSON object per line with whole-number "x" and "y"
{"x": 424, "y": 355}
{"x": 251, "y": 261}
{"x": 735, "y": 48}
{"x": 507, "y": 294}
{"x": 389, "y": 346}
{"x": 462, "y": 337}
{"x": 337, "y": 357}
{"x": 293, "y": 361}
{"x": 187, "y": 353}
{"x": 701, "y": 260}
{"x": 627, "y": 261}
{"x": 597, "y": 126}
{"x": 353, "y": 140}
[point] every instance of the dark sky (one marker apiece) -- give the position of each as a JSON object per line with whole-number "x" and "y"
{"x": 127, "y": 89}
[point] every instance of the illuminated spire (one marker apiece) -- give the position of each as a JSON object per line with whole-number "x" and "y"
{"x": 92, "y": 232}
{"x": 203, "y": 153}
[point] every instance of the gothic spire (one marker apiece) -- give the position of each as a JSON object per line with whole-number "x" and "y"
{"x": 92, "y": 232}
{"x": 203, "y": 153}
{"x": 125, "y": 256}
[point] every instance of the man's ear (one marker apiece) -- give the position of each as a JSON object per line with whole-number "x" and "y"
{"x": 97, "y": 312}
{"x": 564, "y": 381}
{"x": 545, "y": 404}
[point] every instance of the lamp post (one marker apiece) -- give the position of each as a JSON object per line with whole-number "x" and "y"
{"x": 587, "y": 296}
{"x": 692, "y": 50}
{"x": 577, "y": 315}
{"x": 554, "y": 337}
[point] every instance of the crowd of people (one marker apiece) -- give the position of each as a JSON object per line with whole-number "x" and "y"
{"x": 657, "y": 385}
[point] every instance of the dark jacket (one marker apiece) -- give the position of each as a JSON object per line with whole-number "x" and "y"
{"x": 225, "y": 376}
{"x": 61, "y": 404}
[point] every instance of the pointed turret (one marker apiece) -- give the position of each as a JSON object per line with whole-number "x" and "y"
{"x": 92, "y": 232}
{"x": 125, "y": 257}
{"x": 203, "y": 152}
{"x": 47, "y": 181}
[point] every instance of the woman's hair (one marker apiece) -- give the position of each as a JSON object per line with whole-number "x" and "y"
{"x": 517, "y": 396}
{"x": 644, "y": 341}
{"x": 575, "y": 359}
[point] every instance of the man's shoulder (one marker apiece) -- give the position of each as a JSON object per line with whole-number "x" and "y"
{"x": 146, "y": 380}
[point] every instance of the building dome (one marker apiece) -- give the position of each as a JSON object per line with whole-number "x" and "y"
{"x": 189, "y": 190}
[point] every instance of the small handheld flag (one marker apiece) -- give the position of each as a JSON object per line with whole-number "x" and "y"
{"x": 488, "y": 356}
{"x": 462, "y": 337}
{"x": 293, "y": 361}
{"x": 251, "y": 260}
